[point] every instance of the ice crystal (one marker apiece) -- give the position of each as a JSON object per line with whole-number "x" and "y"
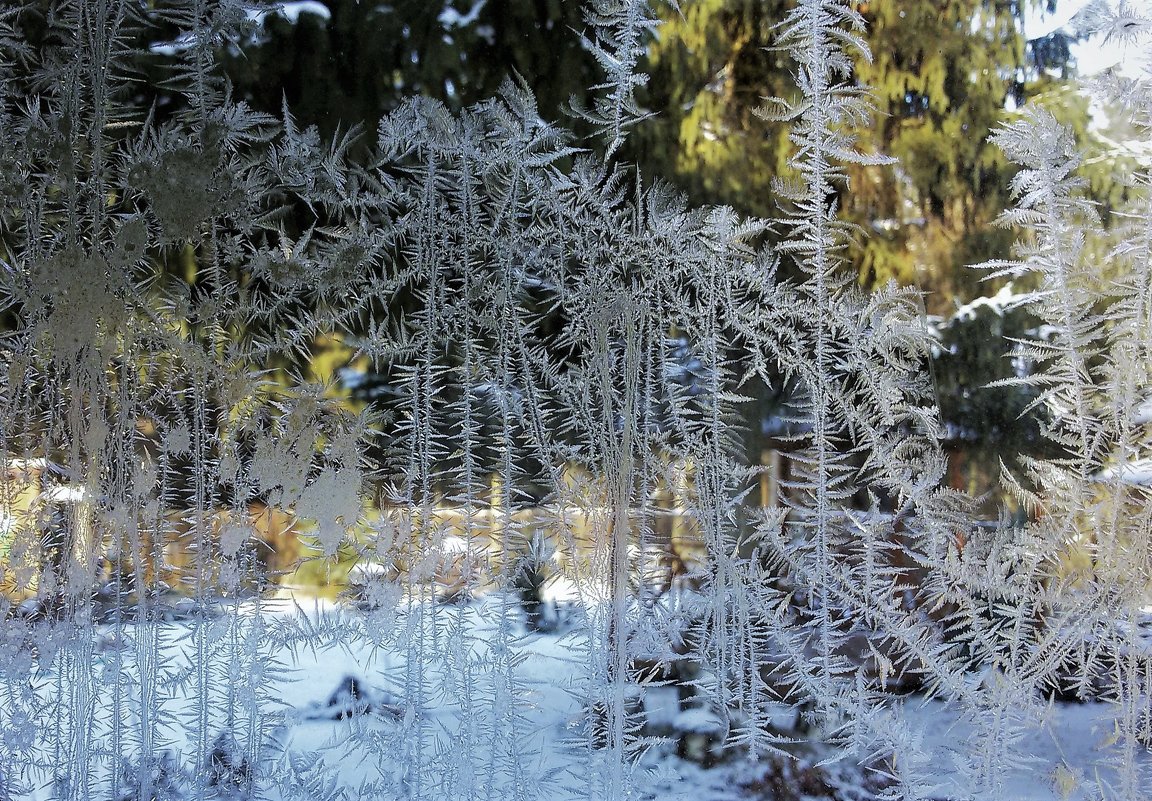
{"x": 542, "y": 479}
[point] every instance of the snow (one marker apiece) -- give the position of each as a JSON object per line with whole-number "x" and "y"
{"x": 1093, "y": 54}
{"x": 1065, "y": 751}
{"x": 1040, "y": 22}
{"x": 451, "y": 18}
{"x": 662, "y": 707}
{"x": 1143, "y": 414}
{"x": 1005, "y": 300}
{"x": 1138, "y": 471}
{"x": 289, "y": 10}
{"x": 292, "y": 10}
{"x": 698, "y": 721}
{"x": 171, "y": 49}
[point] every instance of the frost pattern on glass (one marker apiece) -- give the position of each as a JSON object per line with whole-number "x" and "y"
{"x": 543, "y": 517}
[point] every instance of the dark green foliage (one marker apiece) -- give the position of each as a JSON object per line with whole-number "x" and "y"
{"x": 363, "y": 61}
{"x": 925, "y": 220}
{"x": 986, "y": 424}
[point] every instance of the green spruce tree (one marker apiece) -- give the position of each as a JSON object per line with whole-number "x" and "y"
{"x": 943, "y": 75}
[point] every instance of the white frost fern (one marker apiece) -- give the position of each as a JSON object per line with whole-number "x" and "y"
{"x": 1089, "y": 548}
{"x": 618, "y": 43}
{"x": 564, "y": 345}
{"x": 862, "y": 403}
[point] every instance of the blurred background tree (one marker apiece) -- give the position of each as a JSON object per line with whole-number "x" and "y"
{"x": 943, "y": 75}
{"x": 343, "y": 62}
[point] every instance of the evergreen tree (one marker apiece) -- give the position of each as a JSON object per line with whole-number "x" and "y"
{"x": 942, "y": 75}
{"x": 363, "y": 59}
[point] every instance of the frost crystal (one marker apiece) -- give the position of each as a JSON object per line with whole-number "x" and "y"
{"x": 534, "y": 514}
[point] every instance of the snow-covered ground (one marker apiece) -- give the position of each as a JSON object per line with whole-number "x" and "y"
{"x": 458, "y": 701}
